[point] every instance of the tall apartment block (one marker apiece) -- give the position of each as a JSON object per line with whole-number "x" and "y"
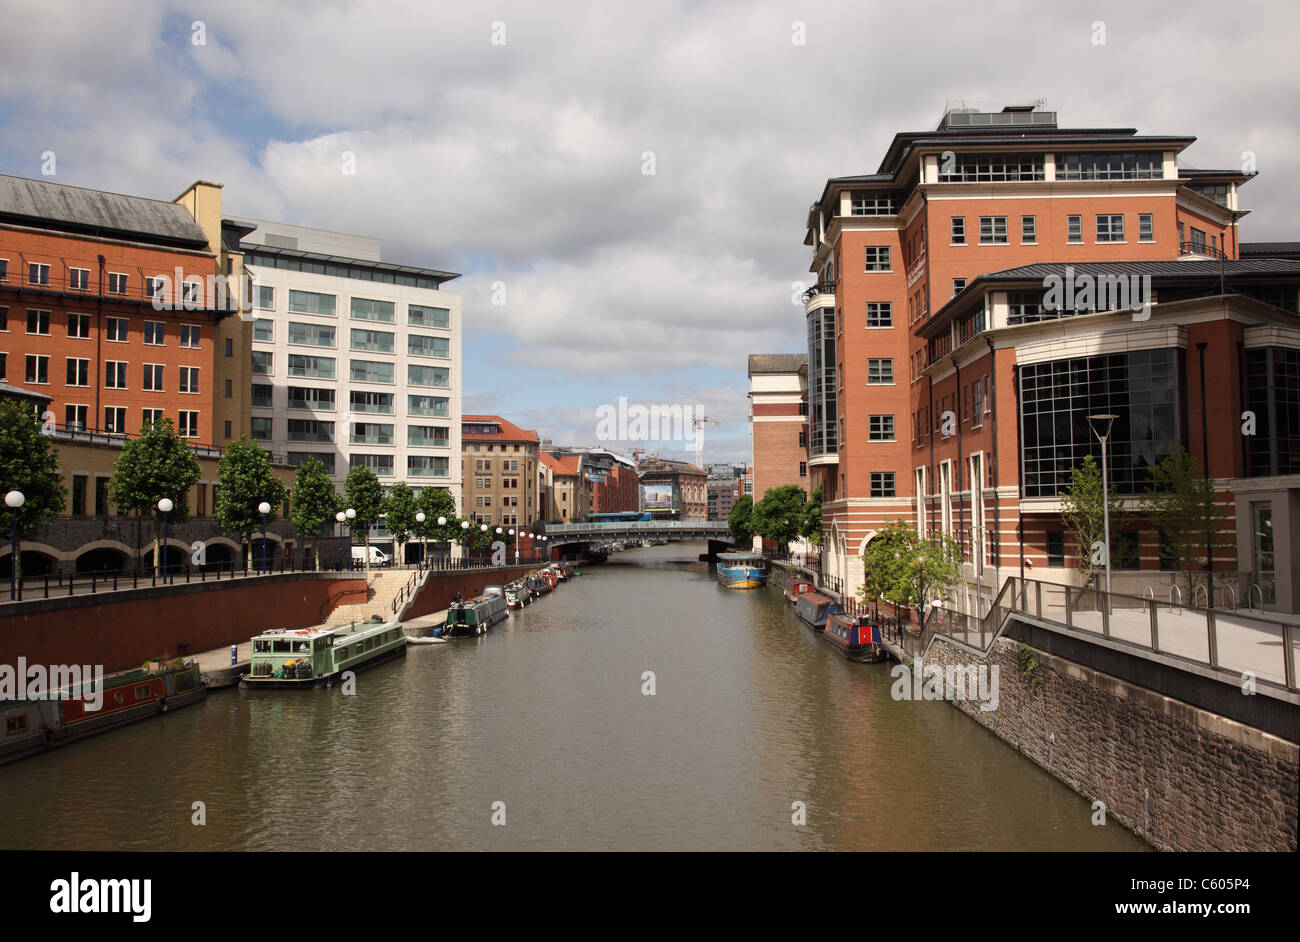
{"x": 778, "y": 420}
{"x": 355, "y": 361}
{"x": 949, "y": 388}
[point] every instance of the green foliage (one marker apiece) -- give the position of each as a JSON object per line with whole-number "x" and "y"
{"x": 778, "y": 516}
{"x": 740, "y": 521}
{"x": 901, "y": 566}
{"x": 28, "y": 463}
{"x": 158, "y": 464}
{"x": 810, "y": 522}
{"x": 314, "y": 501}
{"x": 363, "y": 493}
{"x": 1180, "y": 503}
{"x": 246, "y": 481}
{"x": 1083, "y": 511}
{"x": 1029, "y": 666}
{"x": 399, "y": 510}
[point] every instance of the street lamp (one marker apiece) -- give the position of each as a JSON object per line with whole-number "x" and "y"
{"x": 442, "y": 537}
{"x": 165, "y": 505}
{"x": 264, "y": 508}
{"x": 1096, "y": 421}
{"x": 14, "y": 500}
{"x": 464, "y": 528}
{"x": 341, "y": 517}
{"x": 352, "y": 537}
{"x": 482, "y": 528}
{"x": 516, "y": 542}
{"x": 419, "y": 520}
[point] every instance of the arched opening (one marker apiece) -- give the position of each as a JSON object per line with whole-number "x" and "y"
{"x": 218, "y": 556}
{"x": 103, "y": 559}
{"x": 33, "y": 563}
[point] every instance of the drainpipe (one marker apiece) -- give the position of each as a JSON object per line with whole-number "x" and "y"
{"x": 1205, "y": 458}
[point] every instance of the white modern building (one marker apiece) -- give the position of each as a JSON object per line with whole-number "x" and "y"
{"x": 356, "y": 361}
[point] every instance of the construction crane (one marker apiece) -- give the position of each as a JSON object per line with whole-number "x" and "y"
{"x": 699, "y": 437}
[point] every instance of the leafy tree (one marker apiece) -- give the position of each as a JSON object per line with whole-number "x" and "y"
{"x": 158, "y": 464}
{"x": 399, "y": 510}
{"x": 740, "y": 521}
{"x": 437, "y": 502}
{"x": 778, "y": 515}
{"x": 907, "y": 569}
{"x": 1180, "y": 503}
{"x": 1083, "y": 512}
{"x": 314, "y": 501}
{"x": 363, "y": 493}
{"x": 246, "y": 481}
{"x": 28, "y": 463}
{"x": 810, "y": 521}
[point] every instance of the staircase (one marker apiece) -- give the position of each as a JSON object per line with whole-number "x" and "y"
{"x": 382, "y": 586}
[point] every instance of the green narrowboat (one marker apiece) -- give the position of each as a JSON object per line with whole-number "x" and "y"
{"x": 315, "y": 657}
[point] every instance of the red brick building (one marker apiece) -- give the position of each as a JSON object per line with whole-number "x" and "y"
{"x": 778, "y": 420}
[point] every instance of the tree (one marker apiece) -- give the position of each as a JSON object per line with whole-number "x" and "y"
{"x": 363, "y": 493}
{"x": 158, "y": 464}
{"x": 1083, "y": 513}
{"x": 28, "y": 463}
{"x": 740, "y": 521}
{"x": 1180, "y": 503}
{"x": 246, "y": 480}
{"x": 810, "y": 521}
{"x": 778, "y": 515}
{"x": 399, "y": 510}
{"x": 437, "y": 502}
{"x": 314, "y": 502}
{"x": 908, "y": 569}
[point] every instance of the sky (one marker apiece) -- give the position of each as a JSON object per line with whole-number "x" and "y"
{"x": 622, "y": 187}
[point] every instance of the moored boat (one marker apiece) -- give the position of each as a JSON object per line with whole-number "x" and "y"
{"x": 855, "y": 637}
{"x": 470, "y": 617}
{"x": 314, "y": 657}
{"x": 741, "y": 570}
{"x": 798, "y": 588}
{"x": 815, "y": 608}
{"x": 35, "y": 725}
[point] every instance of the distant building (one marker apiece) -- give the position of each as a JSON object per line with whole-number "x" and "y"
{"x": 677, "y": 487}
{"x": 499, "y": 462}
{"x": 569, "y": 500}
{"x": 778, "y": 393}
{"x": 611, "y": 478}
{"x": 723, "y": 495}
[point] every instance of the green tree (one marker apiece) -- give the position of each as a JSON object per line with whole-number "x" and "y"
{"x": 1083, "y": 512}
{"x": 810, "y": 521}
{"x": 740, "y": 521}
{"x": 246, "y": 480}
{"x": 907, "y": 569}
{"x": 314, "y": 502}
{"x": 28, "y": 463}
{"x": 1180, "y": 503}
{"x": 399, "y": 510}
{"x": 363, "y": 493}
{"x": 437, "y": 502}
{"x": 778, "y": 515}
{"x": 158, "y": 464}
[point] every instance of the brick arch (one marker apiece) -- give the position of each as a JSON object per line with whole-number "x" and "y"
{"x": 31, "y": 546}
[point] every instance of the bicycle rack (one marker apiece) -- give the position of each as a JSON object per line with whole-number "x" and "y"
{"x": 1152, "y": 596}
{"x": 1197, "y": 595}
{"x": 1229, "y": 588}
{"x": 1254, "y": 587}
{"x": 1174, "y": 589}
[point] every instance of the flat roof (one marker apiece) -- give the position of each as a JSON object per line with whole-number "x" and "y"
{"x": 249, "y": 248}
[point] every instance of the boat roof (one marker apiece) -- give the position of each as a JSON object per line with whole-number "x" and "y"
{"x": 320, "y": 631}
{"x": 816, "y": 598}
{"x": 740, "y": 556}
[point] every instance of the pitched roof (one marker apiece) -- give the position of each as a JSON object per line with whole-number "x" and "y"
{"x": 777, "y": 362}
{"x": 96, "y": 212}
{"x": 508, "y": 431}
{"x": 571, "y": 465}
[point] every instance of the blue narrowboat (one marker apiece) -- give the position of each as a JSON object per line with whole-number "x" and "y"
{"x": 742, "y": 570}
{"x": 854, "y": 637}
{"x": 815, "y": 608}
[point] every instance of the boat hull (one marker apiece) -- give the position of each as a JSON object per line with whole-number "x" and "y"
{"x": 855, "y": 639}
{"x": 266, "y": 682}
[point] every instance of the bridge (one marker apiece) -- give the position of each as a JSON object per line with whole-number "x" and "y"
{"x": 639, "y": 529}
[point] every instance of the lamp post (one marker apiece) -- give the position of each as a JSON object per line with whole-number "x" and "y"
{"x": 516, "y": 542}
{"x": 264, "y": 508}
{"x": 352, "y": 537}
{"x": 483, "y": 528}
{"x": 464, "y": 529}
{"x": 419, "y": 522}
{"x": 1096, "y": 421}
{"x": 442, "y": 539}
{"x": 14, "y": 500}
{"x": 165, "y": 505}
{"x": 341, "y": 517}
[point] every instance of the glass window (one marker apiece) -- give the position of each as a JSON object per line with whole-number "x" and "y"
{"x": 1056, "y": 549}
{"x": 309, "y": 397}
{"x": 261, "y": 426}
{"x": 957, "y": 227}
{"x": 313, "y": 335}
{"x": 370, "y": 371}
{"x": 1146, "y": 228}
{"x": 380, "y": 464}
{"x": 308, "y": 302}
{"x": 993, "y": 230}
{"x": 190, "y": 336}
{"x": 1110, "y": 228}
{"x": 1028, "y": 229}
{"x": 877, "y": 258}
{"x": 420, "y": 316}
{"x": 326, "y": 458}
{"x": 880, "y": 314}
{"x": 261, "y": 394}
{"x": 371, "y": 433}
{"x": 79, "y": 326}
{"x": 436, "y": 436}
{"x": 369, "y": 310}
{"x": 1263, "y": 566}
{"x": 882, "y": 484}
{"x": 1074, "y": 228}
{"x": 264, "y": 329}
{"x": 438, "y": 406}
{"x": 262, "y": 361}
{"x": 115, "y": 329}
{"x": 265, "y": 298}
{"x": 880, "y": 428}
{"x": 310, "y": 430}
{"x": 427, "y": 375}
{"x": 155, "y": 333}
{"x": 991, "y": 168}
{"x": 378, "y": 341}
{"x": 378, "y": 402}
{"x": 421, "y": 346}
{"x": 1148, "y": 165}
{"x": 315, "y": 367}
{"x": 880, "y": 371}
{"x": 38, "y": 322}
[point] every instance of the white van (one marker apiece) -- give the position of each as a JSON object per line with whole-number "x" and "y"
{"x": 377, "y": 556}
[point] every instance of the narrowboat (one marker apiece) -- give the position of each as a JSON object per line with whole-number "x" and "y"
{"x": 470, "y": 617}
{"x": 516, "y": 596}
{"x": 35, "y": 725}
{"x": 742, "y": 570}
{"x": 797, "y": 589}
{"x": 854, "y": 637}
{"x": 815, "y": 608}
{"x": 315, "y": 657}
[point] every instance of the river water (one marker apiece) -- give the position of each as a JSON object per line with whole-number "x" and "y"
{"x": 543, "y": 722}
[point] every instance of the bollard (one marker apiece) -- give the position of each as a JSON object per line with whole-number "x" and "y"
{"x": 234, "y": 654}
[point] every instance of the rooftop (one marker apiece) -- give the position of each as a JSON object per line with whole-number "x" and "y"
{"x": 777, "y": 362}
{"x": 82, "y": 211}
{"x": 506, "y": 431}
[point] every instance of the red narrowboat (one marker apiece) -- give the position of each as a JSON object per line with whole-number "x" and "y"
{"x": 797, "y": 588}
{"x": 854, "y": 637}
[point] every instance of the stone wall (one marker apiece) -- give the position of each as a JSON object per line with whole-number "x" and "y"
{"x": 1210, "y": 783}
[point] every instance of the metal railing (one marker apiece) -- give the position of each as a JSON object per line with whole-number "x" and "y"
{"x": 1231, "y": 643}
{"x": 822, "y": 287}
{"x": 1201, "y": 248}
{"x": 638, "y": 526}
{"x": 55, "y": 276}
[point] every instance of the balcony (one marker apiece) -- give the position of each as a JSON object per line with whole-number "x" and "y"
{"x": 1198, "y": 250}
{"x": 79, "y": 278}
{"x": 822, "y": 287}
